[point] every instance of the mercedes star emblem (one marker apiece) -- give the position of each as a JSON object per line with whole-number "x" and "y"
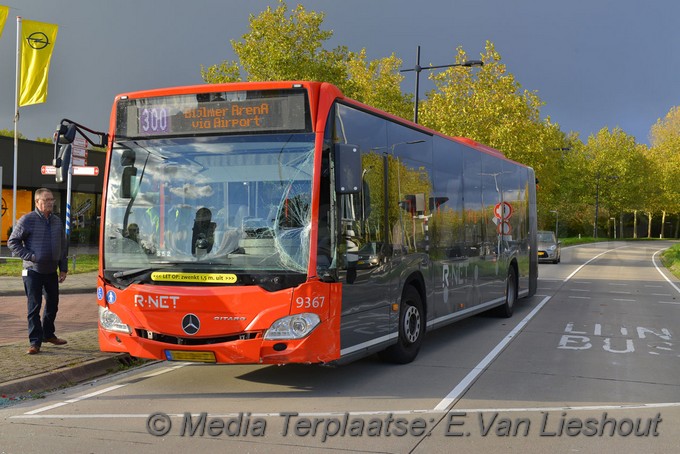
{"x": 191, "y": 324}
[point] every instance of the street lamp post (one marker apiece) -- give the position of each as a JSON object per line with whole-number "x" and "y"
{"x": 418, "y": 68}
{"x": 597, "y": 203}
{"x": 597, "y": 198}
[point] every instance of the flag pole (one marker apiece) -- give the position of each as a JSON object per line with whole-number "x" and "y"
{"x": 16, "y": 124}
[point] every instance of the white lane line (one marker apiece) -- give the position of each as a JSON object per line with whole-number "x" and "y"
{"x": 332, "y": 414}
{"x": 456, "y": 392}
{"x": 662, "y": 273}
{"x": 669, "y": 302}
{"x": 101, "y": 391}
{"x": 165, "y": 370}
{"x": 594, "y": 258}
{"x": 579, "y": 297}
{"x": 71, "y": 401}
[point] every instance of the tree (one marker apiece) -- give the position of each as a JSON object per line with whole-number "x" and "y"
{"x": 664, "y": 152}
{"x": 617, "y": 168}
{"x": 10, "y": 133}
{"x": 290, "y": 47}
{"x": 377, "y": 83}
{"x": 489, "y": 106}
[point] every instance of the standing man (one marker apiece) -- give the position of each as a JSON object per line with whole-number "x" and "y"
{"x": 38, "y": 238}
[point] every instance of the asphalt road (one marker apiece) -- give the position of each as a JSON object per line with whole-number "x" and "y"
{"x": 589, "y": 364}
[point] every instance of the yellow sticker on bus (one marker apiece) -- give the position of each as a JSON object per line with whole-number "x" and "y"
{"x": 211, "y": 278}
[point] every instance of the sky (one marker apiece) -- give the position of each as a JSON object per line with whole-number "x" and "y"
{"x": 594, "y": 63}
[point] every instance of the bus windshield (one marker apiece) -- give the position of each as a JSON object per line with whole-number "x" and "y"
{"x": 235, "y": 203}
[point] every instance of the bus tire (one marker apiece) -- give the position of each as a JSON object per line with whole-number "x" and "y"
{"x": 411, "y": 329}
{"x": 508, "y": 306}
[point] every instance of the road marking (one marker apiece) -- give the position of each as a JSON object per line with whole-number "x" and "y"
{"x": 597, "y": 408}
{"x": 669, "y": 302}
{"x": 579, "y": 297}
{"x": 594, "y": 258}
{"x": 470, "y": 378}
{"x": 624, "y": 300}
{"x": 72, "y": 401}
{"x": 662, "y": 273}
{"x": 102, "y": 391}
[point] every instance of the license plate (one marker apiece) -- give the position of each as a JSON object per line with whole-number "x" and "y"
{"x": 198, "y": 357}
{"x": 542, "y": 254}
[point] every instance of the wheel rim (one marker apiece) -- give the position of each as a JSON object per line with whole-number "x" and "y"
{"x": 412, "y": 324}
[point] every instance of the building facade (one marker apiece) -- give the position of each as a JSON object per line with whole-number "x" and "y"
{"x": 86, "y": 191}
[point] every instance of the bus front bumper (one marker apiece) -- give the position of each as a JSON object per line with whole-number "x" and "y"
{"x": 322, "y": 345}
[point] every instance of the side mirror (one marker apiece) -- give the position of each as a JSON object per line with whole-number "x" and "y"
{"x": 63, "y": 163}
{"x": 65, "y": 133}
{"x": 347, "y": 169}
{"x": 127, "y": 158}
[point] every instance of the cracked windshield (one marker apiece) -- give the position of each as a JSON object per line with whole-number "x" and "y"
{"x": 232, "y": 203}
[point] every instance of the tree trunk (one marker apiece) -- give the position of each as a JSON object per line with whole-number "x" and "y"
{"x": 649, "y": 224}
{"x": 635, "y": 224}
{"x": 663, "y": 223}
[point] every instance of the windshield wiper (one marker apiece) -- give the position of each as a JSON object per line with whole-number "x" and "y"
{"x": 134, "y": 272}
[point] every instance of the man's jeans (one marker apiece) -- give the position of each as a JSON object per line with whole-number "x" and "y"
{"x": 35, "y": 285}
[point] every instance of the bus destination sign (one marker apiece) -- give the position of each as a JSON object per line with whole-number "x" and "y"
{"x": 187, "y": 115}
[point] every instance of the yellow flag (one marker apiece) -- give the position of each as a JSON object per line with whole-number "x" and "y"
{"x": 4, "y": 12}
{"x": 37, "y": 42}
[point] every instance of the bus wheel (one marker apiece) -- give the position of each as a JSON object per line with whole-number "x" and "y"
{"x": 510, "y": 294}
{"x": 411, "y": 329}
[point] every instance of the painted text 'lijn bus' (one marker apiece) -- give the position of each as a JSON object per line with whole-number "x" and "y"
{"x": 281, "y": 222}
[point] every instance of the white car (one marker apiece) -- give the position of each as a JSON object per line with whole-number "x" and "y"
{"x": 549, "y": 249}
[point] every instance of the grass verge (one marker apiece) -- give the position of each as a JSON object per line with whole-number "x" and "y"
{"x": 671, "y": 260}
{"x": 81, "y": 264}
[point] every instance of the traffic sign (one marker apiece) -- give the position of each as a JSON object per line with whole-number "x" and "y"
{"x": 503, "y": 210}
{"x": 48, "y": 170}
{"x": 79, "y": 152}
{"x": 92, "y": 171}
{"x": 78, "y": 162}
{"x": 504, "y": 228}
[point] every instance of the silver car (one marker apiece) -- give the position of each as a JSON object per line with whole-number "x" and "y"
{"x": 549, "y": 249}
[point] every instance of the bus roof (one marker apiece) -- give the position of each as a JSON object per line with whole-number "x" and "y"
{"x": 315, "y": 90}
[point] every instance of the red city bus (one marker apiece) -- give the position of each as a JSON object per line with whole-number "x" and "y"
{"x": 281, "y": 222}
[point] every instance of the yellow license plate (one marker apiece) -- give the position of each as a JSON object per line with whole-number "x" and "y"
{"x": 199, "y": 357}
{"x": 542, "y": 254}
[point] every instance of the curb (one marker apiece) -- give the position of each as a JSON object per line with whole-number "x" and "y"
{"x": 62, "y": 291}
{"x": 65, "y": 376}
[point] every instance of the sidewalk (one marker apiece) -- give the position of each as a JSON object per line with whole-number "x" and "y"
{"x": 23, "y": 375}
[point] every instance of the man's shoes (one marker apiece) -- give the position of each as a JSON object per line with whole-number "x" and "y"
{"x": 34, "y": 350}
{"x": 56, "y": 341}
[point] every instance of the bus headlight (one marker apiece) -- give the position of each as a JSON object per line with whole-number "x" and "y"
{"x": 292, "y": 327}
{"x": 111, "y": 322}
